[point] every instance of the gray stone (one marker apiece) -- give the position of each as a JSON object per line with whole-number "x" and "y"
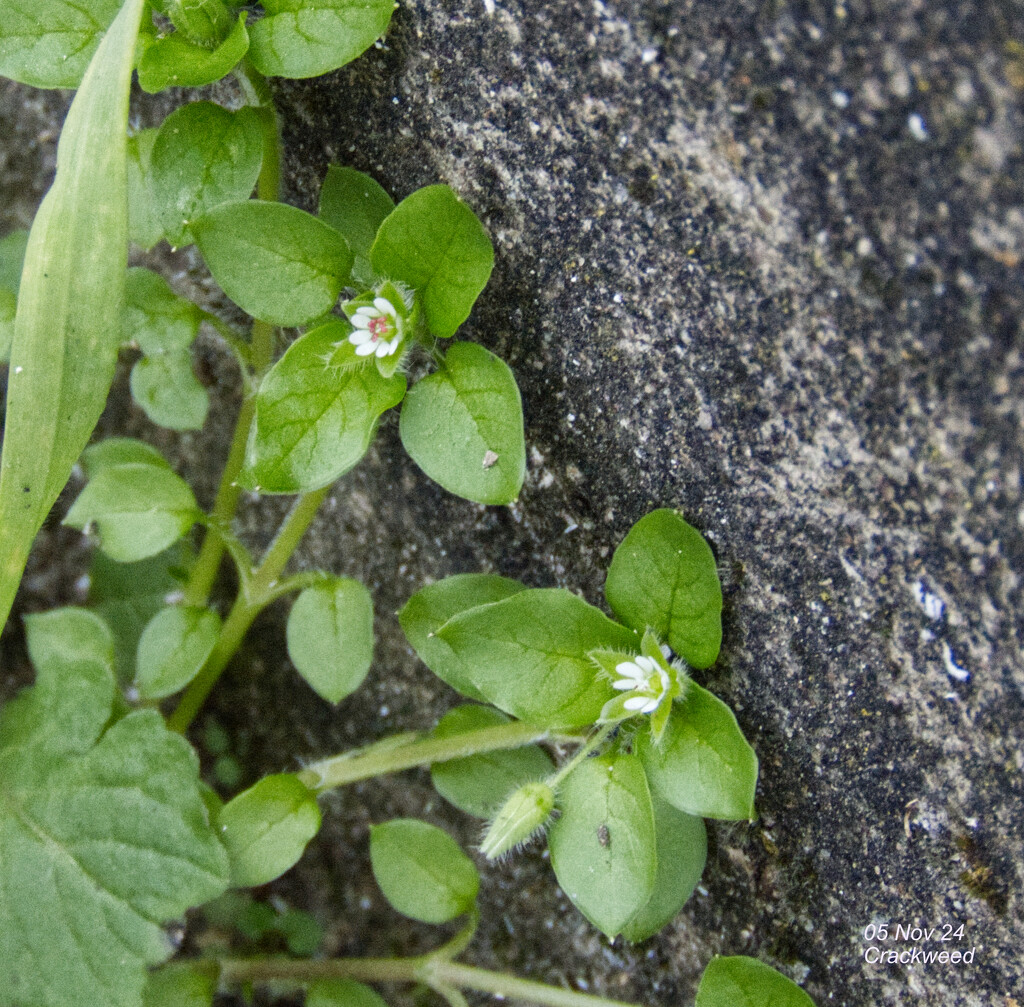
{"x": 759, "y": 262}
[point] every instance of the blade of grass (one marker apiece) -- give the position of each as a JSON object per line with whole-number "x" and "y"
{"x": 68, "y": 326}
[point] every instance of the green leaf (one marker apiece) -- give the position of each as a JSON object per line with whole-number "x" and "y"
{"x": 128, "y": 595}
{"x": 330, "y": 636}
{"x": 434, "y": 242}
{"x": 421, "y": 870}
{"x": 681, "y": 846}
{"x": 355, "y": 206}
{"x": 173, "y": 648}
{"x": 663, "y": 576}
{"x": 341, "y": 993}
{"x": 205, "y": 22}
{"x": 67, "y": 329}
{"x": 528, "y": 655}
{"x": 104, "y": 837}
{"x": 463, "y": 425}
{"x": 703, "y": 765}
{"x": 48, "y": 43}
{"x": 120, "y": 451}
{"x": 432, "y": 606}
{"x": 69, "y": 634}
{"x": 603, "y": 843}
{"x": 139, "y": 510}
{"x": 8, "y": 312}
{"x": 479, "y": 784}
{"x": 143, "y": 221}
{"x": 316, "y": 413}
{"x": 306, "y": 38}
{"x": 301, "y": 932}
{"x": 267, "y": 827}
{"x": 167, "y": 390}
{"x": 180, "y": 984}
{"x": 739, "y": 981}
{"x": 277, "y": 262}
{"x": 155, "y": 317}
{"x": 176, "y": 62}
{"x": 12, "y": 256}
{"x": 204, "y": 155}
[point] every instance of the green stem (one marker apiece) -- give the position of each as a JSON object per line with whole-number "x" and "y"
{"x": 349, "y": 767}
{"x": 247, "y": 606}
{"x": 428, "y": 969}
{"x": 512, "y": 988}
{"x": 204, "y": 573}
{"x": 595, "y": 740}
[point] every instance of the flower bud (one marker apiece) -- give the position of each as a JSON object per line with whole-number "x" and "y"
{"x": 520, "y": 817}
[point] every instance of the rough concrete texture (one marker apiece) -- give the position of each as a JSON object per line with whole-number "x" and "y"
{"x": 759, "y": 262}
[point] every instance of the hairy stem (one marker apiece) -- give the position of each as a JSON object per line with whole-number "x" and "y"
{"x": 432, "y": 971}
{"x": 261, "y": 350}
{"x": 247, "y": 606}
{"x": 380, "y": 760}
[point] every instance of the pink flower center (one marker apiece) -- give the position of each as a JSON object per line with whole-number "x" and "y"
{"x": 379, "y": 327}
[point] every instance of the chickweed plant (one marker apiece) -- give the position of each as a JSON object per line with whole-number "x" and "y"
{"x": 580, "y": 730}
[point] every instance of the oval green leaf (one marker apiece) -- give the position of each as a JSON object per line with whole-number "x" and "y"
{"x": 120, "y": 451}
{"x": 434, "y": 242}
{"x": 267, "y": 827}
{"x": 166, "y": 389}
{"x": 528, "y": 655}
{"x": 277, "y": 262}
{"x": 48, "y": 43}
{"x": 463, "y": 425}
{"x": 739, "y": 981}
{"x": 143, "y": 222}
{"x": 67, "y": 328}
{"x": 155, "y": 317}
{"x": 139, "y": 510}
{"x": 421, "y": 870}
{"x": 316, "y": 413}
{"x": 179, "y": 984}
{"x": 204, "y": 155}
{"x": 305, "y": 38}
{"x": 355, "y": 206}
{"x": 479, "y": 784}
{"x": 330, "y": 636}
{"x": 603, "y": 843}
{"x": 173, "y": 648}
{"x": 703, "y": 764}
{"x": 341, "y": 993}
{"x": 68, "y": 635}
{"x": 175, "y": 62}
{"x": 12, "y": 257}
{"x": 681, "y": 846}
{"x": 432, "y": 606}
{"x": 663, "y": 576}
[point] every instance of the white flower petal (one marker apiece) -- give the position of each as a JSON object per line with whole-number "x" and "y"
{"x": 359, "y": 336}
{"x": 383, "y": 349}
{"x": 393, "y": 345}
{"x": 365, "y": 312}
{"x": 664, "y": 678}
{"x": 637, "y": 703}
{"x": 648, "y": 664}
{"x": 365, "y": 349}
{"x": 624, "y": 683}
{"x": 650, "y": 706}
{"x": 632, "y": 670}
{"x": 384, "y": 306}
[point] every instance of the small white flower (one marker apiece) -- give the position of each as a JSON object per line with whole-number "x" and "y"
{"x": 377, "y": 329}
